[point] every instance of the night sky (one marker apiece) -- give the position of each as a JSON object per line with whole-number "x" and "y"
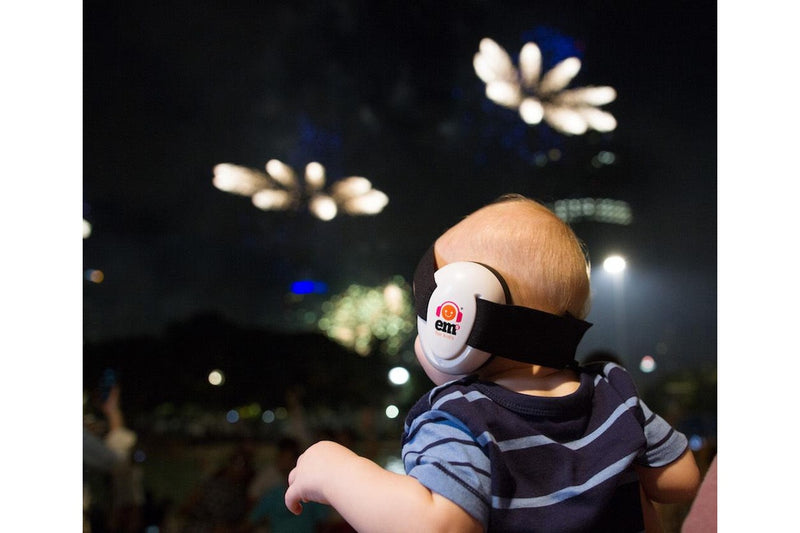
{"x": 386, "y": 91}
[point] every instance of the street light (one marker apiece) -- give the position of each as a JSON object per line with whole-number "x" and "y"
{"x": 615, "y": 265}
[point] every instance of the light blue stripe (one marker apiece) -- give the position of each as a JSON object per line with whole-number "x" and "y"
{"x": 470, "y": 397}
{"x": 565, "y": 493}
{"x": 603, "y": 375}
{"x": 541, "y": 440}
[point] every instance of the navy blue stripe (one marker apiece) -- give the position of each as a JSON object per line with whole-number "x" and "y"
{"x": 658, "y": 444}
{"x": 471, "y": 489}
{"x": 441, "y": 442}
{"x": 478, "y": 470}
{"x": 409, "y": 436}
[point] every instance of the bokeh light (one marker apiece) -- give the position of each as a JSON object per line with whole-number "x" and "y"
{"x": 252, "y": 410}
{"x": 394, "y": 464}
{"x": 94, "y": 275}
{"x": 399, "y": 375}
{"x": 216, "y": 377}
{"x": 392, "y": 411}
{"x": 604, "y": 158}
{"x": 87, "y": 229}
{"x": 647, "y": 364}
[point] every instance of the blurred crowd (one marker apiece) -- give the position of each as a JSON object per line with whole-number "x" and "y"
{"x": 238, "y": 488}
{"x": 240, "y": 494}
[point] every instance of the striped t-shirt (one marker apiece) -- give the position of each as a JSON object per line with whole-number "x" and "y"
{"x": 528, "y": 463}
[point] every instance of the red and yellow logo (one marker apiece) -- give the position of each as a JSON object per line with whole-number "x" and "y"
{"x": 450, "y": 312}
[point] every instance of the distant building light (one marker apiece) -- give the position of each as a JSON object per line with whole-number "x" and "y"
{"x": 593, "y": 209}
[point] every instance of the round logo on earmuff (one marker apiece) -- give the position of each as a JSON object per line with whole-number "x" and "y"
{"x": 449, "y": 311}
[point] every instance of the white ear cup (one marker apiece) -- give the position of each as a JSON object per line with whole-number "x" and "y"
{"x": 451, "y": 315}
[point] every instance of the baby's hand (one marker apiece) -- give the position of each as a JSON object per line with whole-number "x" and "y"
{"x": 315, "y": 469}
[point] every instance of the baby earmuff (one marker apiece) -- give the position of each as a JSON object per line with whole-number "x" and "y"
{"x": 452, "y": 308}
{"x": 465, "y": 315}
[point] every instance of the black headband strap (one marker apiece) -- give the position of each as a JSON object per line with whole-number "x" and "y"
{"x": 525, "y": 334}
{"x": 424, "y": 283}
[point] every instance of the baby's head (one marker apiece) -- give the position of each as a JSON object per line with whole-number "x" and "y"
{"x": 536, "y": 253}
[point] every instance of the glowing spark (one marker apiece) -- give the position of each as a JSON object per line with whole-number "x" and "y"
{"x": 323, "y": 207}
{"x": 239, "y": 180}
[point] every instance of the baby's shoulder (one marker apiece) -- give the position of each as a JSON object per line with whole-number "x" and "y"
{"x": 439, "y": 395}
{"x": 613, "y": 376}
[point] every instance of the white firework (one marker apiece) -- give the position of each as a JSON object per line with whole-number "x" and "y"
{"x": 545, "y": 97}
{"x": 280, "y": 189}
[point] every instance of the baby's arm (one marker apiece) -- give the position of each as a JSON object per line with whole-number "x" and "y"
{"x": 676, "y": 482}
{"x": 369, "y": 497}
{"x": 652, "y": 520}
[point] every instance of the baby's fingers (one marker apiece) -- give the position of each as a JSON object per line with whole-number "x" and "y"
{"x": 292, "y": 501}
{"x": 292, "y": 498}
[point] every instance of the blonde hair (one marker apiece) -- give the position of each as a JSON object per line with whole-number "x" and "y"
{"x": 538, "y": 254}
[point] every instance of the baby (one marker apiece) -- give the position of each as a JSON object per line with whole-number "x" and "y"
{"x": 516, "y": 436}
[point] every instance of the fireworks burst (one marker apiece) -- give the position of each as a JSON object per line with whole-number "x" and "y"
{"x": 545, "y": 97}
{"x": 363, "y": 318}
{"x": 280, "y": 189}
